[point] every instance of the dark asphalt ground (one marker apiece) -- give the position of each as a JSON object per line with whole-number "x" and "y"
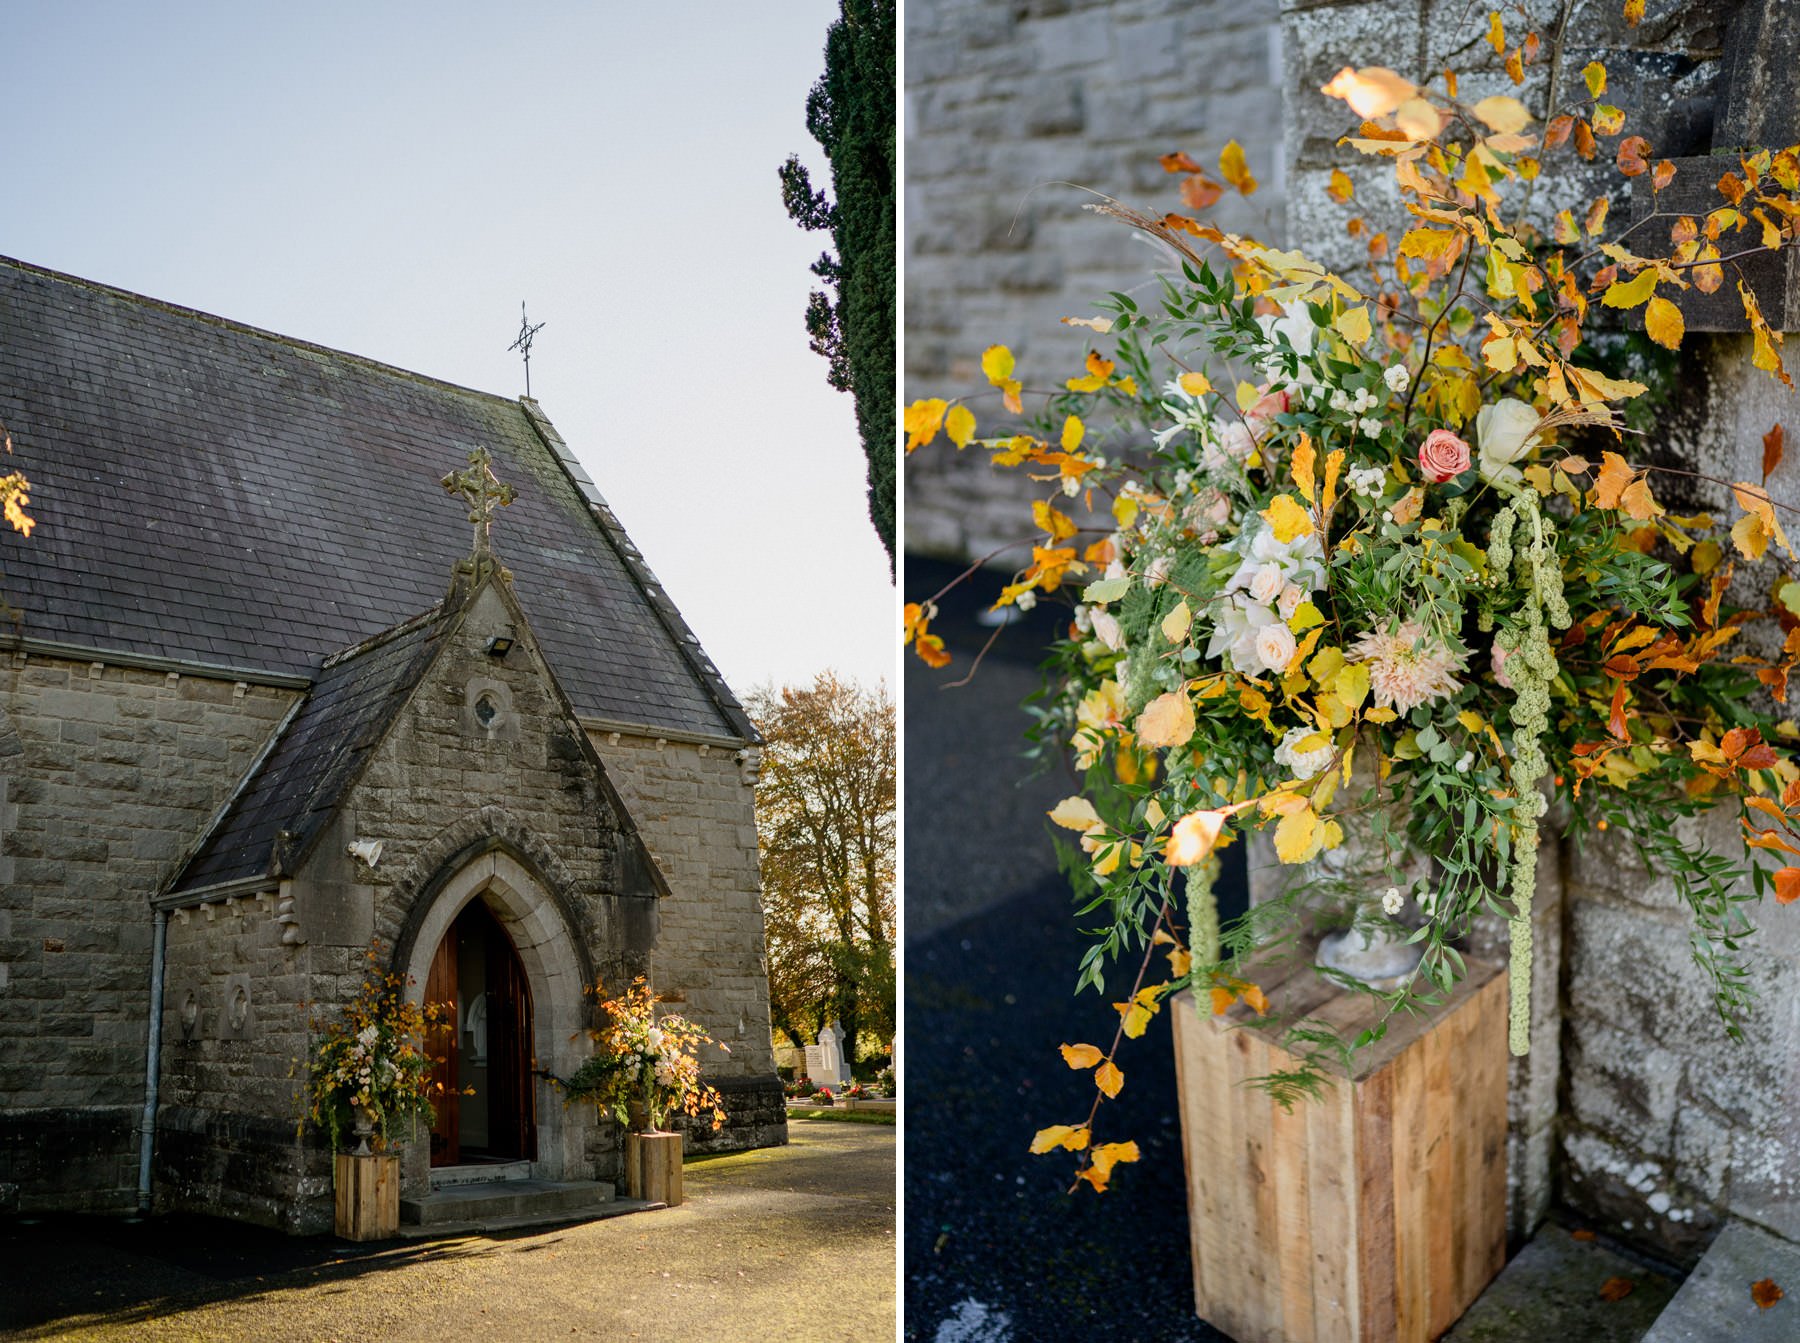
{"x": 761, "y": 1235}
{"x": 996, "y": 1251}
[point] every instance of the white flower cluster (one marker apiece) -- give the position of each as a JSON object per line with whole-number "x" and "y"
{"x": 1368, "y": 482}
{"x": 1305, "y": 764}
{"x": 1250, "y": 617}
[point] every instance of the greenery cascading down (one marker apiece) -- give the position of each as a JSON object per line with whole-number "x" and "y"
{"x": 1530, "y": 664}
{"x": 850, "y": 112}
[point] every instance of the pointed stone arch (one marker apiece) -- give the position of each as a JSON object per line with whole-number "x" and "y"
{"x": 549, "y": 938}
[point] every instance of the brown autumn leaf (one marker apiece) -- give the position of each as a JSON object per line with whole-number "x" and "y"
{"x": 1583, "y": 1234}
{"x": 1765, "y": 1293}
{"x": 1199, "y": 192}
{"x": 1584, "y": 141}
{"x": 1615, "y": 475}
{"x": 1664, "y": 174}
{"x": 1557, "y": 132}
{"x": 1178, "y": 162}
{"x": 1787, "y": 885}
{"x": 1616, "y": 1289}
{"x": 1632, "y": 150}
{"x": 1772, "y": 449}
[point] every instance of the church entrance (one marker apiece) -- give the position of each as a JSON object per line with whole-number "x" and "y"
{"x": 489, "y": 1055}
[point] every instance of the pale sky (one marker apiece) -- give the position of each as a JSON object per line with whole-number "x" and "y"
{"x": 392, "y": 179}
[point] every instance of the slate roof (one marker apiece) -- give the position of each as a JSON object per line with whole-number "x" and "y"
{"x": 215, "y": 494}
{"x": 297, "y": 786}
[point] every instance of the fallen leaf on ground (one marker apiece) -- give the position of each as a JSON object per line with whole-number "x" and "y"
{"x": 1616, "y": 1289}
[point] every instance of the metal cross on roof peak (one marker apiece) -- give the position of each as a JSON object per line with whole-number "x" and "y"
{"x": 527, "y": 334}
{"x": 485, "y": 492}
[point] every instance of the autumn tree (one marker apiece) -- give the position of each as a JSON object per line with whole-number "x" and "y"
{"x": 850, "y": 112}
{"x": 825, "y": 811}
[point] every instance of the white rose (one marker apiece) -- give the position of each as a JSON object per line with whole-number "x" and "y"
{"x": 1107, "y": 631}
{"x": 1275, "y": 646}
{"x": 1506, "y": 431}
{"x": 1397, "y": 379}
{"x": 1234, "y": 445}
{"x": 1234, "y": 634}
{"x": 1291, "y": 597}
{"x": 1266, "y": 583}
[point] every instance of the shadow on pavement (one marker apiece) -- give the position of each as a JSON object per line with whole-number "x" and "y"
{"x": 996, "y": 1250}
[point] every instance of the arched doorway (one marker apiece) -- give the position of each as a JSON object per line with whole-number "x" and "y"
{"x": 556, "y": 970}
{"x": 487, "y": 1109}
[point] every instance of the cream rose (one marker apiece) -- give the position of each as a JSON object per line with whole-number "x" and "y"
{"x": 1443, "y": 457}
{"x": 1266, "y": 584}
{"x": 1275, "y": 646}
{"x": 1506, "y": 430}
{"x": 1107, "y": 631}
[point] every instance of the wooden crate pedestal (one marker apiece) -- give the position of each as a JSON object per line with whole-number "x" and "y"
{"x": 368, "y": 1196}
{"x": 653, "y": 1167}
{"x": 1375, "y": 1213}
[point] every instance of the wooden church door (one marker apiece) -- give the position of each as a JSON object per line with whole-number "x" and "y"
{"x": 488, "y": 1050}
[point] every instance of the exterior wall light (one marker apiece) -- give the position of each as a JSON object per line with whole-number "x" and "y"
{"x": 499, "y": 646}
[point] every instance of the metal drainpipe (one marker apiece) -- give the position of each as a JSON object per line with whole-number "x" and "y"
{"x": 153, "y": 1065}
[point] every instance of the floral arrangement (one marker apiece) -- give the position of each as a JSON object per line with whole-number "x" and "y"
{"x": 799, "y": 1086}
{"x": 644, "y": 1067}
{"x": 824, "y": 1096}
{"x": 1362, "y": 555}
{"x": 372, "y": 1059}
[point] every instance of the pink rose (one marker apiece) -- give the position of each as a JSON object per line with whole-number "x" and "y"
{"x": 1443, "y": 456}
{"x": 1272, "y": 404}
{"x": 1500, "y": 676}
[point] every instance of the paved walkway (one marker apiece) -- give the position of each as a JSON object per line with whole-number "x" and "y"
{"x": 761, "y": 1234}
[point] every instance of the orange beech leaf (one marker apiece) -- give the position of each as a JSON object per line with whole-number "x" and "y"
{"x": 1200, "y": 192}
{"x": 931, "y": 648}
{"x": 1634, "y": 12}
{"x": 1615, "y": 722}
{"x": 1557, "y": 132}
{"x": 1772, "y": 449}
{"x": 1135, "y": 1017}
{"x": 1179, "y": 162}
{"x": 1732, "y": 187}
{"x": 1373, "y": 91}
{"x": 1081, "y": 1056}
{"x": 1662, "y": 176}
{"x": 1515, "y": 66}
{"x": 1664, "y": 324}
{"x": 1193, "y": 837}
{"x": 1094, "y": 1176}
{"x": 1765, "y": 1293}
{"x": 1584, "y": 141}
{"x": 1340, "y": 187}
{"x": 1615, "y": 475}
{"x": 1109, "y": 1154}
{"x": 1234, "y": 169}
{"x": 1616, "y": 1289}
{"x": 1257, "y": 999}
{"x": 1109, "y": 1079}
{"x": 1632, "y": 150}
{"x": 1787, "y": 885}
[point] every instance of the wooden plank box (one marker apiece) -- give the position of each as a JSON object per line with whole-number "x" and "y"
{"x": 1376, "y": 1212}
{"x": 368, "y": 1196}
{"x": 653, "y": 1167}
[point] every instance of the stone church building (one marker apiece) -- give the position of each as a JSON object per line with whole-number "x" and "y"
{"x": 266, "y": 698}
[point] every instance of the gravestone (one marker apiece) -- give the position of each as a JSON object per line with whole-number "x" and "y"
{"x": 825, "y": 1060}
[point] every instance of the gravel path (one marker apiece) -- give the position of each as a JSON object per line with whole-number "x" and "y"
{"x": 762, "y": 1240}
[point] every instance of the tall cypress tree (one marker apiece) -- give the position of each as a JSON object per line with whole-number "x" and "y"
{"x": 850, "y": 112}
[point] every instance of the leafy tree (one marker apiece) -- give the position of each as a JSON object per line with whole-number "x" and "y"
{"x": 850, "y": 112}
{"x": 825, "y": 810}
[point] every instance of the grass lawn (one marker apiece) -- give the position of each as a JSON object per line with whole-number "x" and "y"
{"x": 846, "y": 1116}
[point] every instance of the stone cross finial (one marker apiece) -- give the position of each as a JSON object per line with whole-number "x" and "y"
{"x": 485, "y": 492}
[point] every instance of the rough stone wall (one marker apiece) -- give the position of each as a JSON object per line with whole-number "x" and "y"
{"x": 107, "y": 774}
{"x": 1004, "y": 104}
{"x": 695, "y": 806}
{"x": 1664, "y": 1128}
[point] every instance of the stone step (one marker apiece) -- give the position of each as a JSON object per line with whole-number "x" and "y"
{"x": 484, "y": 1172}
{"x": 617, "y": 1207}
{"x": 1715, "y": 1306}
{"x": 505, "y": 1199}
{"x": 1551, "y": 1291}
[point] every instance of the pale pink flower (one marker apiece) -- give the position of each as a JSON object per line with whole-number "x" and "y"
{"x": 1443, "y": 456}
{"x": 1407, "y": 667}
{"x": 1275, "y": 646}
{"x": 1500, "y": 677}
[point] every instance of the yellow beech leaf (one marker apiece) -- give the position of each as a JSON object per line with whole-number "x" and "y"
{"x": 1755, "y": 501}
{"x": 1637, "y": 502}
{"x": 1193, "y": 837}
{"x": 959, "y": 424}
{"x": 1135, "y": 1018}
{"x": 1502, "y": 114}
{"x": 1352, "y": 685}
{"x": 1081, "y": 1056}
{"x": 1301, "y": 468}
{"x": 1075, "y": 813}
{"x": 1073, "y": 431}
{"x": 1109, "y": 1154}
{"x": 1333, "y": 465}
{"x": 1222, "y": 999}
{"x": 1295, "y": 834}
{"x": 997, "y": 364}
{"x": 1340, "y": 188}
{"x": 1247, "y": 395}
{"x": 1109, "y": 1079}
{"x": 1748, "y": 535}
{"x": 1168, "y": 720}
{"x": 1373, "y": 91}
{"x": 1195, "y": 384}
{"x": 1353, "y": 325}
{"x": 1595, "y": 75}
{"x": 1630, "y": 293}
{"x": 1233, "y": 168}
{"x": 1287, "y": 519}
{"x": 1049, "y": 1139}
{"x": 1496, "y": 34}
{"x": 1176, "y": 624}
{"x": 1663, "y": 323}
{"x": 922, "y": 421}
{"x": 1052, "y": 519}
